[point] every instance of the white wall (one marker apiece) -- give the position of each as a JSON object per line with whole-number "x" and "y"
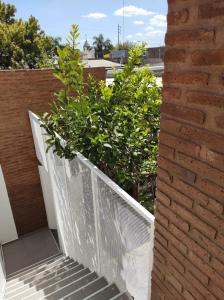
{"x": 48, "y": 197}
{"x": 8, "y": 231}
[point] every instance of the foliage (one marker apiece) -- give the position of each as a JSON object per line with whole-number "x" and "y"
{"x": 114, "y": 126}
{"x": 101, "y": 45}
{"x": 127, "y": 45}
{"x": 22, "y": 43}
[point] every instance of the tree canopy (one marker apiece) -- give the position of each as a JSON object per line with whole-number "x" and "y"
{"x": 22, "y": 43}
{"x": 101, "y": 45}
{"x": 115, "y": 126}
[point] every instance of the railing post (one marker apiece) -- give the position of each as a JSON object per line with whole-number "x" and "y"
{"x": 96, "y": 217}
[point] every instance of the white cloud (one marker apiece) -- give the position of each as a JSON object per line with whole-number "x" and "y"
{"x": 158, "y": 21}
{"x": 131, "y": 11}
{"x": 129, "y": 36}
{"x": 149, "y": 28}
{"x": 139, "y": 22}
{"x": 155, "y": 33}
{"x": 139, "y": 34}
{"x": 95, "y": 15}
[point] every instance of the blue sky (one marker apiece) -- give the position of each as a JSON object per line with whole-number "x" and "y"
{"x": 144, "y": 20}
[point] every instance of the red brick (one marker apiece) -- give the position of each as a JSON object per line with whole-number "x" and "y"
{"x": 190, "y": 243}
{"x": 164, "y": 175}
{"x": 196, "y": 166}
{"x": 175, "y": 283}
{"x": 210, "y": 217}
{"x": 175, "y": 55}
{"x": 208, "y": 244}
{"x": 207, "y": 99}
{"x": 173, "y": 217}
{"x": 163, "y": 198}
{"x": 20, "y": 91}
{"x": 171, "y": 238}
{"x": 202, "y": 136}
{"x": 165, "y": 150}
{"x": 220, "y": 121}
{"x": 179, "y": 144}
{"x": 183, "y": 112}
{"x": 200, "y": 287}
{"x": 210, "y": 188}
{"x": 177, "y": 170}
{"x": 171, "y": 93}
{"x": 187, "y": 78}
{"x": 170, "y": 258}
{"x": 178, "y": 17}
{"x": 194, "y": 220}
{"x": 175, "y": 195}
{"x": 218, "y": 266}
{"x": 189, "y": 266}
{"x": 206, "y": 269}
{"x": 188, "y": 296}
{"x": 207, "y": 57}
{"x": 162, "y": 219}
{"x": 211, "y": 10}
{"x": 186, "y": 37}
{"x": 213, "y": 158}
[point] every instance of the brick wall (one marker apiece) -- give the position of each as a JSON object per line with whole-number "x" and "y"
{"x": 21, "y": 91}
{"x": 189, "y": 238}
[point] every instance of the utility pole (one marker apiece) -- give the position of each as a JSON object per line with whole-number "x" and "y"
{"x": 123, "y": 24}
{"x": 118, "y": 34}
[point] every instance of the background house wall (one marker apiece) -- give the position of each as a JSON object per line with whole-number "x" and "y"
{"x": 20, "y": 91}
{"x": 189, "y": 243}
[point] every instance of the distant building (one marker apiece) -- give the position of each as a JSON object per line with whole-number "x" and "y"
{"x": 88, "y": 51}
{"x": 120, "y": 56}
{"x": 154, "y": 55}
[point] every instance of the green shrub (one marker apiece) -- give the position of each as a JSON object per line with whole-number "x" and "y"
{"x": 115, "y": 126}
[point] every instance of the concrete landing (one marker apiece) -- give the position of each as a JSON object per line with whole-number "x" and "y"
{"x": 29, "y": 249}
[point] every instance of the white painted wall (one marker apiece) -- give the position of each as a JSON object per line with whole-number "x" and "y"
{"x": 48, "y": 197}
{"x": 8, "y": 231}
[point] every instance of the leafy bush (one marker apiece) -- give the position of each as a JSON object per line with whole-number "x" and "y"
{"x": 114, "y": 126}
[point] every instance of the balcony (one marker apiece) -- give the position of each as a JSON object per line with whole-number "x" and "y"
{"x": 100, "y": 228}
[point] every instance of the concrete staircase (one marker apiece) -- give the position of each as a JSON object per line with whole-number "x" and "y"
{"x": 60, "y": 277}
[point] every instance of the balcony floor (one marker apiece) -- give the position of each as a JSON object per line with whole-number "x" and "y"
{"x": 29, "y": 249}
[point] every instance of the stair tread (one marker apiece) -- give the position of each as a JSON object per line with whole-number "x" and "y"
{"x": 39, "y": 271}
{"x": 64, "y": 287}
{"x": 34, "y": 292}
{"x": 44, "y": 282}
{"x": 33, "y": 266}
{"x": 105, "y": 293}
{"x": 87, "y": 290}
{"x": 60, "y": 277}
{"x": 122, "y": 296}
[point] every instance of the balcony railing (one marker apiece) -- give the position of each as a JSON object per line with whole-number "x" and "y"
{"x": 98, "y": 223}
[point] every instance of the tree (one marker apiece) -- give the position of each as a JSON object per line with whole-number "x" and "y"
{"x": 127, "y": 45}
{"x": 22, "y": 43}
{"x": 101, "y": 45}
{"x": 7, "y": 13}
{"x": 115, "y": 126}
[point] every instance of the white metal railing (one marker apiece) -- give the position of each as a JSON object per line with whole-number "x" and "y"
{"x": 99, "y": 224}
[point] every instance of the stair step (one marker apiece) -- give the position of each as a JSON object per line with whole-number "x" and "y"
{"x": 33, "y": 266}
{"x": 63, "y": 287}
{"x": 43, "y": 283}
{"x": 40, "y": 271}
{"x": 86, "y": 290}
{"x": 105, "y": 293}
{"x": 122, "y": 296}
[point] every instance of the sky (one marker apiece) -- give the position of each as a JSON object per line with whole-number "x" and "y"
{"x": 145, "y": 20}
